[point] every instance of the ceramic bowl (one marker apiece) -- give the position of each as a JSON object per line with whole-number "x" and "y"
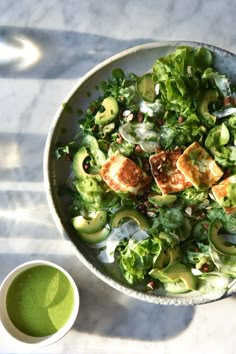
{"x": 64, "y": 126}
{"x": 9, "y": 328}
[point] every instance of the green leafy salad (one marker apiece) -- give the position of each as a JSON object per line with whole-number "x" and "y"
{"x": 153, "y": 175}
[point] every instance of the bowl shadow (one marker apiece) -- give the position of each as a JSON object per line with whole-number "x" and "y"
{"x": 116, "y": 315}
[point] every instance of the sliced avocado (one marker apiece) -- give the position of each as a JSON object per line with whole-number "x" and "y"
{"x": 157, "y": 273}
{"x": 163, "y": 260}
{"x": 178, "y": 287}
{"x": 146, "y": 87}
{"x": 95, "y": 222}
{"x": 219, "y": 135}
{"x": 111, "y": 109}
{"x": 179, "y": 271}
{"x": 94, "y": 237}
{"x": 210, "y": 95}
{"x": 200, "y": 230}
{"x": 91, "y": 143}
{"x": 78, "y": 162}
{"x": 90, "y": 191}
{"x": 174, "y": 255}
{"x": 185, "y": 230}
{"x": 128, "y": 213}
{"x": 224, "y": 135}
{"x": 218, "y": 242}
{"x": 164, "y": 199}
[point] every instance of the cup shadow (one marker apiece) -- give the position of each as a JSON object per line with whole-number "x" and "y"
{"x": 120, "y": 316}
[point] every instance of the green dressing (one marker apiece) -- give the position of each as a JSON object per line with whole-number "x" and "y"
{"x": 40, "y": 301}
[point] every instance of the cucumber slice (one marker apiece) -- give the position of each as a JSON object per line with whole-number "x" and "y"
{"x": 146, "y": 88}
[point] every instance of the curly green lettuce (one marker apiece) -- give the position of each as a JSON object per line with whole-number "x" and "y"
{"x": 179, "y": 76}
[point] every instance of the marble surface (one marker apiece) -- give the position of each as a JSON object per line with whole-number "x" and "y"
{"x": 45, "y": 47}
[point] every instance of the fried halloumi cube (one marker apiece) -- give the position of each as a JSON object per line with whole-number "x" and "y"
{"x": 168, "y": 178}
{"x": 121, "y": 174}
{"x": 199, "y": 167}
{"x": 223, "y": 194}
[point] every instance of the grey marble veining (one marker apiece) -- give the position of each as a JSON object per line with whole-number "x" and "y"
{"x": 45, "y": 47}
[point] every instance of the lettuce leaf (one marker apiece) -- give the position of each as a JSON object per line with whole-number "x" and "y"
{"x": 221, "y": 81}
{"x": 225, "y": 263}
{"x": 135, "y": 261}
{"x": 179, "y": 76}
{"x": 195, "y": 198}
{"x": 228, "y": 220}
{"x": 174, "y": 134}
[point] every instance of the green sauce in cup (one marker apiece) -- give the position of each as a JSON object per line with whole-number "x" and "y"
{"x": 40, "y": 301}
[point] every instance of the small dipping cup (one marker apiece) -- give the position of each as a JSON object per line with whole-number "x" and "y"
{"x": 18, "y": 334}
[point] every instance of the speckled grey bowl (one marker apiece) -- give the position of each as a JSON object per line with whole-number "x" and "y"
{"x": 63, "y": 129}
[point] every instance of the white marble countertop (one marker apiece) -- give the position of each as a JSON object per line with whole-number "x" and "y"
{"x": 45, "y": 47}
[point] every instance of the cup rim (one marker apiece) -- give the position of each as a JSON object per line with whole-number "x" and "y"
{"x": 12, "y": 331}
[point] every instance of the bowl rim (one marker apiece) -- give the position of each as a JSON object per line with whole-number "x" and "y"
{"x": 12, "y": 331}
{"x": 147, "y": 297}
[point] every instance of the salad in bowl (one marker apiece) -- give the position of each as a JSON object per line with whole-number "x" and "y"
{"x": 152, "y": 181}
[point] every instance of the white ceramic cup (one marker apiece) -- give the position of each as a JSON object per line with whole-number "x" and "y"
{"x": 15, "y": 333}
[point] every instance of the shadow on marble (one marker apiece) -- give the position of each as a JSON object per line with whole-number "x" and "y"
{"x": 124, "y": 317}
{"x": 49, "y": 54}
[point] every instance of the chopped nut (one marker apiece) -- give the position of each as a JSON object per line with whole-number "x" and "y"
{"x": 140, "y": 117}
{"x": 188, "y": 211}
{"x": 126, "y": 113}
{"x": 138, "y": 148}
{"x": 129, "y": 117}
{"x": 227, "y": 101}
{"x": 151, "y": 285}
{"x": 119, "y": 140}
{"x": 180, "y": 119}
{"x": 205, "y": 268}
{"x": 146, "y": 166}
